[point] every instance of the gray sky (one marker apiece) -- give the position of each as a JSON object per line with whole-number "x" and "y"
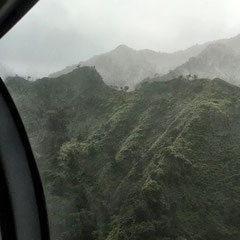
{"x": 57, "y": 33}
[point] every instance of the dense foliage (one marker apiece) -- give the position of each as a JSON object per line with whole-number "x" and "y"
{"x": 159, "y": 163}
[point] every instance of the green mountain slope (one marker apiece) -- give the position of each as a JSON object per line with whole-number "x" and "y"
{"x": 158, "y": 163}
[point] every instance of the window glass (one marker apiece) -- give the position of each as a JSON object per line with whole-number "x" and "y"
{"x": 132, "y": 111}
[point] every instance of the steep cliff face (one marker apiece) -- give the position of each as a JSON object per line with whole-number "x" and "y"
{"x": 161, "y": 162}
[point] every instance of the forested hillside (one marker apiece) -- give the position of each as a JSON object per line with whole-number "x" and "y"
{"x": 158, "y": 163}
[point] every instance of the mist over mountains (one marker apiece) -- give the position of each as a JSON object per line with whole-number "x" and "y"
{"x": 132, "y": 143}
{"x": 5, "y": 72}
{"x": 125, "y": 66}
{"x": 216, "y": 61}
{"x": 159, "y": 162}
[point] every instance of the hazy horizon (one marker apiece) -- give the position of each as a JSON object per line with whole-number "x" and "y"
{"x": 56, "y": 34}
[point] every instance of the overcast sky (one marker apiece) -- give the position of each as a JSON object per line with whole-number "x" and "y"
{"x": 57, "y": 33}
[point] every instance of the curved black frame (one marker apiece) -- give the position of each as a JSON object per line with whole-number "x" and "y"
{"x": 22, "y": 203}
{"x": 16, "y": 10}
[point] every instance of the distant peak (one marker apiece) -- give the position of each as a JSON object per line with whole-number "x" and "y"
{"x": 122, "y": 47}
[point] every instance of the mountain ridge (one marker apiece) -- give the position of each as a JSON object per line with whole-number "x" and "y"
{"x": 216, "y": 60}
{"x": 124, "y": 66}
{"x": 160, "y": 162}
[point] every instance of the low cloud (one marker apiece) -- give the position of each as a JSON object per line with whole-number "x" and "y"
{"x": 58, "y": 33}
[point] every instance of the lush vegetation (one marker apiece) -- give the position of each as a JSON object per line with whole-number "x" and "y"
{"x": 159, "y": 163}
